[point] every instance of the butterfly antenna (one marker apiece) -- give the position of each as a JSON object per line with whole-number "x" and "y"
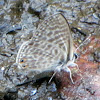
{"x": 52, "y": 77}
{"x": 79, "y": 47}
{"x": 83, "y": 42}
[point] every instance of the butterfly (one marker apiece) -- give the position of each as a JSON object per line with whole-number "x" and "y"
{"x": 49, "y": 50}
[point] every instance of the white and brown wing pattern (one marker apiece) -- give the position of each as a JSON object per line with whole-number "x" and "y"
{"x": 49, "y": 48}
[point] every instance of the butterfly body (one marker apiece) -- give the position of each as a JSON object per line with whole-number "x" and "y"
{"x": 50, "y": 47}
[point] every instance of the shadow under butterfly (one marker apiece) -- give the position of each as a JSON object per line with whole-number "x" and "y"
{"x": 49, "y": 51}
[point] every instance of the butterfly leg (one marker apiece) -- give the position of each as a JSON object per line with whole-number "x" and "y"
{"x": 72, "y": 64}
{"x": 58, "y": 69}
{"x": 65, "y": 68}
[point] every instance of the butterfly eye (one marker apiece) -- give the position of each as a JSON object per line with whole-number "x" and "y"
{"x": 76, "y": 55}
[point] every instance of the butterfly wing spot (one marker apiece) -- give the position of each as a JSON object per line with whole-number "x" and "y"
{"x": 24, "y": 66}
{"x": 23, "y": 60}
{"x": 22, "y": 63}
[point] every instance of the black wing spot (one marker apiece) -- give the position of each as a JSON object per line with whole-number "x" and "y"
{"x": 21, "y": 60}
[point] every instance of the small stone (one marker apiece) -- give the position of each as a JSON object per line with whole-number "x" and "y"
{"x": 33, "y": 92}
{"x": 97, "y": 55}
{"x": 52, "y": 87}
{"x": 50, "y": 98}
{"x": 90, "y": 57}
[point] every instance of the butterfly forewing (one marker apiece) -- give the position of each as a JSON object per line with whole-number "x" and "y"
{"x": 56, "y": 31}
{"x": 48, "y": 48}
